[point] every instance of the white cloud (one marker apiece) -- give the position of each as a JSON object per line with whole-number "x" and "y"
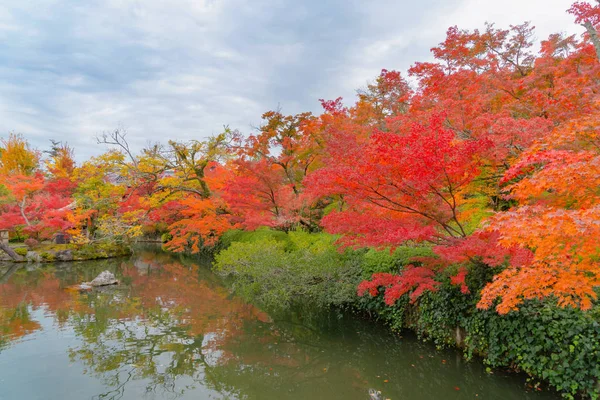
{"x": 184, "y": 68}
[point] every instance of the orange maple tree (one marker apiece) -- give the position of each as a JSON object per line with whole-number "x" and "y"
{"x": 556, "y": 184}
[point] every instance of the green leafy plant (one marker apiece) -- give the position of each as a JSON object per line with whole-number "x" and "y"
{"x": 300, "y": 268}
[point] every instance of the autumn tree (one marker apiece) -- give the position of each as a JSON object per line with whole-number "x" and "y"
{"x": 556, "y": 186}
{"x": 267, "y": 184}
{"x": 494, "y": 90}
{"x": 492, "y": 85}
{"x": 398, "y": 186}
{"x": 589, "y": 16}
{"x": 181, "y": 177}
{"x": 61, "y": 160}
{"x": 387, "y": 96}
{"x": 259, "y": 195}
{"x": 17, "y": 156}
{"x": 31, "y": 202}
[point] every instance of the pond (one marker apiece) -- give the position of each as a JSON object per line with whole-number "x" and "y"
{"x": 171, "y": 330}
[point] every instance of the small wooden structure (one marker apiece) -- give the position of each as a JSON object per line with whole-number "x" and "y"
{"x": 62, "y": 238}
{"x": 4, "y": 236}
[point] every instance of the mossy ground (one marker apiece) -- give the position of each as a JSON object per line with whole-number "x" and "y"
{"x": 49, "y": 252}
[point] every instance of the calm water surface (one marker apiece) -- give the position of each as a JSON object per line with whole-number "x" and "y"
{"x": 172, "y": 331}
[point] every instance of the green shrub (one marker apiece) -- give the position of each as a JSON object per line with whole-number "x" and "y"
{"x": 22, "y": 251}
{"x": 100, "y": 250}
{"x": 374, "y": 261}
{"x": 299, "y": 268}
{"x": 236, "y": 235}
{"x": 560, "y": 345}
{"x": 46, "y": 256}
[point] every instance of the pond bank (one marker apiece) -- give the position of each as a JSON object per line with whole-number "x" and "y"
{"x": 47, "y": 253}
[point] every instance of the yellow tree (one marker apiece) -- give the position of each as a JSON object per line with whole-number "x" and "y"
{"x": 98, "y": 194}
{"x": 17, "y": 157}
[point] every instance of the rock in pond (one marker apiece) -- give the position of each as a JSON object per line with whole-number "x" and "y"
{"x": 104, "y": 279}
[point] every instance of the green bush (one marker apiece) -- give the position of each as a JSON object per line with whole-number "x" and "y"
{"x": 165, "y": 237}
{"x": 560, "y": 345}
{"x": 100, "y": 250}
{"x": 378, "y": 261}
{"x": 46, "y": 256}
{"x": 236, "y": 235}
{"x": 392, "y": 262}
{"x": 22, "y": 251}
{"x": 280, "y": 270}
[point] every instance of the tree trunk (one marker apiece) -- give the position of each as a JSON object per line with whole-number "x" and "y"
{"x": 11, "y": 253}
{"x": 22, "y": 208}
{"x": 593, "y": 36}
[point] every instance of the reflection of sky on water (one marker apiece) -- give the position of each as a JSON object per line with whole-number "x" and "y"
{"x": 211, "y": 356}
{"x": 45, "y": 376}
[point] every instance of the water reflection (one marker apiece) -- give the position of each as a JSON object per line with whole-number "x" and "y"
{"x": 171, "y": 330}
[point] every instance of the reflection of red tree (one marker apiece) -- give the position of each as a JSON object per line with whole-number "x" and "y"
{"x": 207, "y": 309}
{"x": 37, "y": 290}
{"x": 15, "y": 324}
{"x": 204, "y": 308}
{"x": 201, "y": 306}
{"x": 184, "y": 307}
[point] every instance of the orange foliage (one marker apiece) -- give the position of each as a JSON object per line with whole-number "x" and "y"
{"x": 558, "y": 219}
{"x": 201, "y": 224}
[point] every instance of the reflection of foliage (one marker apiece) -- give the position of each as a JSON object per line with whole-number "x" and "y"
{"x": 27, "y": 291}
{"x": 16, "y": 322}
{"x": 155, "y": 329}
{"x": 156, "y": 349}
{"x": 171, "y": 328}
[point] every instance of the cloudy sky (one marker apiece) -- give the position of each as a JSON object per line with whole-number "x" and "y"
{"x": 181, "y": 69}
